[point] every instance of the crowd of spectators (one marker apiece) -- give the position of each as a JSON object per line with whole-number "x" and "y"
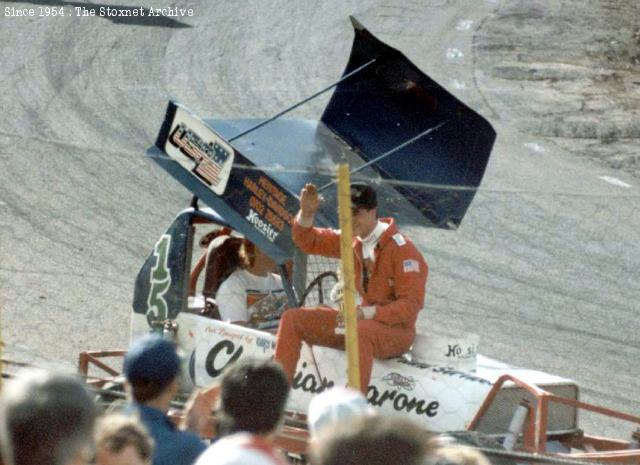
{"x": 51, "y": 419}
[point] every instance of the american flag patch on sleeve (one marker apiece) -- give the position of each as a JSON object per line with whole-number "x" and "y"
{"x": 411, "y": 265}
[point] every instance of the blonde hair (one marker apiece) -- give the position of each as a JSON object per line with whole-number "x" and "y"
{"x": 116, "y": 431}
{"x": 458, "y": 455}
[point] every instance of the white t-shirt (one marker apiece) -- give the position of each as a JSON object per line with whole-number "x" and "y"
{"x": 241, "y": 290}
{"x": 240, "y": 449}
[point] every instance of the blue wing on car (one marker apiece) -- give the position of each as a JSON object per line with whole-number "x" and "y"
{"x": 392, "y": 123}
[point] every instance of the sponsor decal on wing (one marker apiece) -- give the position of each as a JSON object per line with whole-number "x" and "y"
{"x": 200, "y": 150}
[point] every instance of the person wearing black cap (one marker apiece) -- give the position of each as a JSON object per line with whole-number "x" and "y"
{"x": 391, "y": 276}
{"x": 152, "y": 370}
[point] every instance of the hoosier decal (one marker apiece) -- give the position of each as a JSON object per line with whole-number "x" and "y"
{"x": 455, "y": 351}
{"x": 264, "y": 227}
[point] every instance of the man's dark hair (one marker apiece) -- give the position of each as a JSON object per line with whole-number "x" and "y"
{"x": 45, "y": 419}
{"x": 253, "y": 395}
{"x": 144, "y": 391}
{"x": 373, "y": 440}
{"x": 363, "y": 196}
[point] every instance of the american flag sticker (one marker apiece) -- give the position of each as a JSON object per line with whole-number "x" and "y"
{"x": 409, "y": 266}
{"x": 200, "y": 150}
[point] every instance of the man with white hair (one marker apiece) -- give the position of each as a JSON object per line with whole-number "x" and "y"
{"x": 334, "y": 406}
{"x": 373, "y": 440}
{"x": 122, "y": 440}
{"x": 46, "y": 419}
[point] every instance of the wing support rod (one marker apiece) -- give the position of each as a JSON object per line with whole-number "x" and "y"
{"x": 389, "y": 152}
{"x": 293, "y": 107}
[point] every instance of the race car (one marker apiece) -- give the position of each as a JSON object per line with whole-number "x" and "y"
{"x": 395, "y": 127}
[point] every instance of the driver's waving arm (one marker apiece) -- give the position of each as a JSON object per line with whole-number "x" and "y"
{"x": 313, "y": 241}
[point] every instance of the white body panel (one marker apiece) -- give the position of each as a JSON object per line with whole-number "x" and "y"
{"x": 438, "y": 396}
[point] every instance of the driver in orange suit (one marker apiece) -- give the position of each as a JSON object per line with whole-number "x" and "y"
{"x": 391, "y": 276}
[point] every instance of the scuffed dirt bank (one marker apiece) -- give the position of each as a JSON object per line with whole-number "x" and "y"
{"x": 568, "y": 72}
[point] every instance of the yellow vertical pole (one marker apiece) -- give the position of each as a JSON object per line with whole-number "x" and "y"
{"x": 349, "y": 298}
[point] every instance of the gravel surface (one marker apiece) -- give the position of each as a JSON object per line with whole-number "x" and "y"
{"x": 568, "y": 72}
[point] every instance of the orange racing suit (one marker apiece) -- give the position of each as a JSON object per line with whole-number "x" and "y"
{"x": 394, "y": 283}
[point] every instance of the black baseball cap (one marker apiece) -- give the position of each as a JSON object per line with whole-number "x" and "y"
{"x": 363, "y": 196}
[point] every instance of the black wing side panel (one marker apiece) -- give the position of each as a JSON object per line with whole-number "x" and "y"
{"x": 391, "y": 102}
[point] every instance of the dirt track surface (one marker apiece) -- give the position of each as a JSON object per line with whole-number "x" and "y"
{"x": 544, "y": 267}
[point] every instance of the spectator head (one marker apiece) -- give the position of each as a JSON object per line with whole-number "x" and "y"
{"x": 334, "y": 406}
{"x": 458, "y": 455}
{"x": 151, "y": 367}
{"x": 45, "y": 419}
{"x": 253, "y": 394}
{"x": 122, "y": 440}
{"x": 372, "y": 440}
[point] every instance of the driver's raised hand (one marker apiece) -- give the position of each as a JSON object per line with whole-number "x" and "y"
{"x": 310, "y": 201}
